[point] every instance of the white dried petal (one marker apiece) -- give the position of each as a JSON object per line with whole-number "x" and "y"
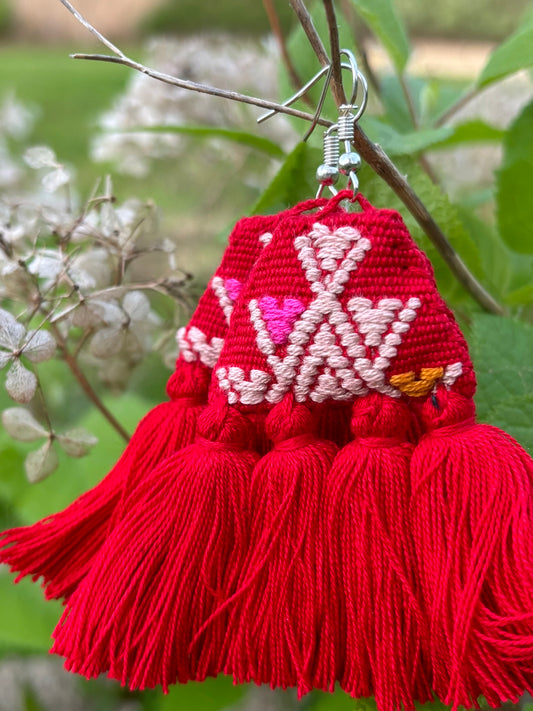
{"x": 20, "y": 383}
{"x": 91, "y": 270}
{"x": 20, "y": 424}
{"x": 47, "y": 264}
{"x": 39, "y": 346}
{"x": 5, "y": 358}
{"x": 108, "y": 311}
{"x": 77, "y": 442}
{"x": 56, "y": 179}
{"x": 136, "y": 305}
{"x": 107, "y": 342}
{"x": 40, "y": 157}
{"x": 84, "y": 316}
{"x": 11, "y": 331}
{"x": 40, "y": 463}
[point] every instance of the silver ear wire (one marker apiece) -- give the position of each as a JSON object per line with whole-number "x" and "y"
{"x": 349, "y": 162}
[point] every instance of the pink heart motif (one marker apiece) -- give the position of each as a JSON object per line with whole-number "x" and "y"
{"x": 233, "y": 288}
{"x": 279, "y": 321}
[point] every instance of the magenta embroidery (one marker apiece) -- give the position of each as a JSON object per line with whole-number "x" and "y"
{"x": 279, "y": 321}
{"x": 233, "y": 288}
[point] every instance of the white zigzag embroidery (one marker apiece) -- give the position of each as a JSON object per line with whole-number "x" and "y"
{"x": 327, "y": 353}
{"x": 193, "y": 345}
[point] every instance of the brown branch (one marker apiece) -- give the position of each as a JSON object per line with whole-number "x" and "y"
{"x": 86, "y": 386}
{"x": 277, "y": 31}
{"x": 334, "y": 44}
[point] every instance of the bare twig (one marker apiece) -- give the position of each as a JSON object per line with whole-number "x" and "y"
{"x": 371, "y": 152}
{"x": 200, "y": 88}
{"x": 86, "y": 386}
{"x": 334, "y": 44}
{"x": 461, "y": 102}
{"x": 277, "y": 31}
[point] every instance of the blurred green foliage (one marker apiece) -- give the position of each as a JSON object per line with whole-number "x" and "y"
{"x": 477, "y": 19}
{"x": 6, "y": 18}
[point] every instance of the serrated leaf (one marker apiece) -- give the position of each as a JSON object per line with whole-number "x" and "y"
{"x": 381, "y": 17}
{"x": 20, "y": 424}
{"x": 501, "y": 352}
{"x": 39, "y": 346}
{"x": 77, "y": 442}
{"x": 293, "y": 182}
{"x": 514, "y": 54}
{"x": 515, "y": 416}
{"x": 251, "y": 140}
{"x": 514, "y": 203}
{"x": 41, "y": 463}
{"x": 21, "y": 383}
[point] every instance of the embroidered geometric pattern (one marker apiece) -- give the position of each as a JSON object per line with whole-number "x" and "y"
{"x": 202, "y": 339}
{"x": 328, "y": 326}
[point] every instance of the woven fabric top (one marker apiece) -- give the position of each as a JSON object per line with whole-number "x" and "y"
{"x": 203, "y": 337}
{"x": 336, "y": 306}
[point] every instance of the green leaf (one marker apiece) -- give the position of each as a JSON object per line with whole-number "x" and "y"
{"x": 31, "y": 702}
{"x": 514, "y": 186}
{"x": 251, "y": 140}
{"x": 381, "y": 17}
{"x": 501, "y": 353}
{"x": 405, "y": 144}
{"x": 294, "y": 182}
{"x": 208, "y": 695}
{"x": 515, "y": 416}
{"x": 26, "y": 619}
{"x": 511, "y": 56}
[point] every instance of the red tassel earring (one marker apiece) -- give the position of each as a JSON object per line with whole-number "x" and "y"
{"x": 60, "y": 548}
{"x": 338, "y": 516}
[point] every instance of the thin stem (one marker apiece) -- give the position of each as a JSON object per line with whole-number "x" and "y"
{"x": 426, "y": 165}
{"x": 200, "y": 88}
{"x": 334, "y": 44}
{"x": 461, "y": 102}
{"x": 277, "y": 31}
{"x": 86, "y": 386}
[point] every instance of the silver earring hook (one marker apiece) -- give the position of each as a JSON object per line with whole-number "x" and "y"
{"x": 301, "y": 92}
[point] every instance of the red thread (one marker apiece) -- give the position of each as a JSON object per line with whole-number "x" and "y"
{"x": 276, "y": 623}
{"x": 472, "y": 525}
{"x": 374, "y": 626}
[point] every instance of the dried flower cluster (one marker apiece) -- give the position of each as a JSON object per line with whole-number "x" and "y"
{"x": 75, "y": 282}
{"x": 218, "y": 60}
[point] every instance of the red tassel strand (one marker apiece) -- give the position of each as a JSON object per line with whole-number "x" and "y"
{"x": 275, "y": 630}
{"x": 472, "y": 513}
{"x": 61, "y": 547}
{"x": 375, "y": 620}
{"x": 175, "y": 555}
